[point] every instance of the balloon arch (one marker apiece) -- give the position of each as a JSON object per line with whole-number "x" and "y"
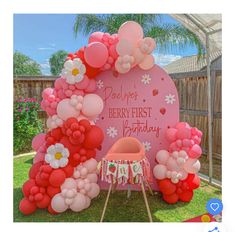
{"x": 64, "y": 171}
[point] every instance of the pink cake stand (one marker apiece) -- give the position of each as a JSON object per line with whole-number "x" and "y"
{"x": 127, "y": 153}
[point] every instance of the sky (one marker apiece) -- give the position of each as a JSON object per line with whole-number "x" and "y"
{"x": 40, "y": 35}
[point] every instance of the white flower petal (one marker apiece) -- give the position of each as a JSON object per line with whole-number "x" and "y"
{"x": 63, "y": 162}
{"x": 79, "y": 78}
{"x": 77, "y": 63}
{"x": 48, "y": 158}
{"x": 51, "y": 149}
{"x": 65, "y": 152}
{"x": 82, "y": 69}
{"x": 70, "y": 79}
{"x": 59, "y": 146}
{"x": 68, "y": 64}
{"x": 54, "y": 164}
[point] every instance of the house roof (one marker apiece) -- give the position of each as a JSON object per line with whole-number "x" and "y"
{"x": 190, "y": 63}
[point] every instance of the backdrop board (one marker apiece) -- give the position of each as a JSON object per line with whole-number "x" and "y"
{"x": 141, "y": 104}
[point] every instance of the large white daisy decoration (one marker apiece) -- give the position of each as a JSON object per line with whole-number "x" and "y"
{"x": 73, "y": 71}
{"x": 170, "y": 99}
{"x": 57, "y": 156}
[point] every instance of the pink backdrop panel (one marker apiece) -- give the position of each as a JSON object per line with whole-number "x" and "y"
{"x": 140, "y": 104}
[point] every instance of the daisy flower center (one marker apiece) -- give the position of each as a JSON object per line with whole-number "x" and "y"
{"x": 75, "y": 72}
{"x": 58, "y": 155}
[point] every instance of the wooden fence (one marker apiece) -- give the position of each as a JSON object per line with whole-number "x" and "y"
{"x": 192, "y": 90}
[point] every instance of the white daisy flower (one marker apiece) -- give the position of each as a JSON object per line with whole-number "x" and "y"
{"x": 57, "y": 155}
{"x": 146, "y": 79}
{"x": 100, "y": 84}
{"x": 170, "y": 99}
{"x": 112, "y": 132}
{"x": 73, "y": 71}
{"x": 147, "y": 146}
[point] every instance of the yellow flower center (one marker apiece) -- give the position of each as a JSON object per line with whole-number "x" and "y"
{"x": 58, "y": 155}
{"x": 75, "y": 72}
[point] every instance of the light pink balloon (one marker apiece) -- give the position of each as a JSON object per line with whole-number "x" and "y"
{"x": 138, "y": 56}
{"x": 65, "y": 110}
{"x": 58, "y": 203}
{"x": 69, "y": 183}
{"x": 183, "y": 133}
{"x": 91, "y": 165}
{"x": 159, "y": 171}
{"x": 162, "y": 156}
{"x": 172, "y": 165}
{"x": 80, "y": 183}
{"x": 83, "y": 172}
{"x": 147, "y": 63}
{"x": 38, "y": 141}
{"x": 79, "y": 203}
{"x": 92, "y": 105}
{"x": 195, "y": 152}
{"x": 131, "y": 31}
{"x": 94, "y": 192}
{"x": 91, "y": 86}
{"x": 192, "y": 166}
{"x": 124, "y": 47}
{"x": 92, "y": 177}
{"x": 96, "y": 54}
{"x": 180, "y": 125}
{"x": 47, "y": 92}
{"x": 88, "y": 202}
{"x": 40, "y": 156}
{"x": 96, "y": 37}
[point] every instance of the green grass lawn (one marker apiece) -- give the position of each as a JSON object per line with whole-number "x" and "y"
{"x": 120, "y": 209}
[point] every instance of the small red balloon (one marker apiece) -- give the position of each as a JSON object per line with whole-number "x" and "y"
{"x": 52, "y": 191}
{"x": 34, "y": 170}
{"x": 68, "y": 170}
{"x": 27, "y": 187}
{"x": 166, "y": 186}
{"x": 44, "y": 203}
{"x": 171, "y": 199}
{"x": 93, "y": 138}
{"x": 186, "y": 196}
{"x": 57, "y": 178}
{"x": 26, "y": 207}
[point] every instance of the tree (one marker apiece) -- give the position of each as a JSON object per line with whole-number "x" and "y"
{"x": 166, "y": 35}
{"x": 57, "y": 61}
{"x": 24, "y": 65}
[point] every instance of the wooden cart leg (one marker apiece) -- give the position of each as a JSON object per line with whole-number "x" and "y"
{"x": 149, "y": 187}
{"x": 114, "y": 187}
{"x": 146, "y": 203}
{"x": 106, "y": 203}
{"x": 128, "y": 191}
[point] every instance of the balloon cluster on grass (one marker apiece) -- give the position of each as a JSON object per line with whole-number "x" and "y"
{"x": 60, "y": 177}
{"x": 177, "y": 168}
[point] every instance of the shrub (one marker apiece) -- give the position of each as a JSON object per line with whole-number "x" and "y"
{"x": 26, "y": 124}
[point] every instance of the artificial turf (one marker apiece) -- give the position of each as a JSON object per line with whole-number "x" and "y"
{"x": 120, "y": 209}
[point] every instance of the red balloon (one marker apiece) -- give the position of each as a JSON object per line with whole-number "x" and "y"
{"x": 72, "y": 148}
{"x": 52, "y": 191}
{"x": 186, "y": 196}
{"x": 26, "y": 207}
{"x": 27, "y": 186}
{"x": 34, "y": 170}
{"x": 57, "y": 178}
{"x": 171, "y": 199}
{"x": 44, "y": 202}
{"x": 68, "y": 169}
{"x": 40, "y": 181}
{"x": 86, "y": 124}
{"x": 166, "y": 186}
{"x": 193, "y": 181}
{"x": 93, "y": 138}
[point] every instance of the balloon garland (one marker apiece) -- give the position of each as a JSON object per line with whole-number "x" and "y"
{"x": 64, "y": 171}
{"x": 177, "y": 168}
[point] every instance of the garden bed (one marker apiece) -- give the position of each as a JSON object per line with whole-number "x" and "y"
{"x": 120, "y": 209}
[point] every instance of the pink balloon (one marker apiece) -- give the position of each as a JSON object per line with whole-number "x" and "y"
{"x": 58, "y": 203}
{"x": 69, "y": 183}
{"x": 92, "y": 177}
{"x": 94, "y": 192}
{"x": 65, "y": 110}
{"x": 183, "y": 133}
{"x": 79, "y": 203}
{"x": 124, "y": 47}
{"x": 171, "y": 134}
{"x": 192, "y": 166}
{"x": 92, "y": 105}
{"x": 172, "y": 165}
{"x": 180, "y": 125}
{"x": 91, "y": 86}
{"x": 147, "y": 63}
{"x": 159, "y": 171}
{"x": 162, "y": 156}
{"x": 131, "y": 31}
{"x": 113, "y": 52}
{"x": 47, "y": 92}
{"x": 138, "y": 56}
{"x": 96, "y": 54}
{"x": 40, "y": 156}
{"x": 38, "y": 141}
{"x": 88, "y": 202}
{"x": 91, "y": 165}
{"x": 96, "y": 37}
{"x": 195, "y": 152}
